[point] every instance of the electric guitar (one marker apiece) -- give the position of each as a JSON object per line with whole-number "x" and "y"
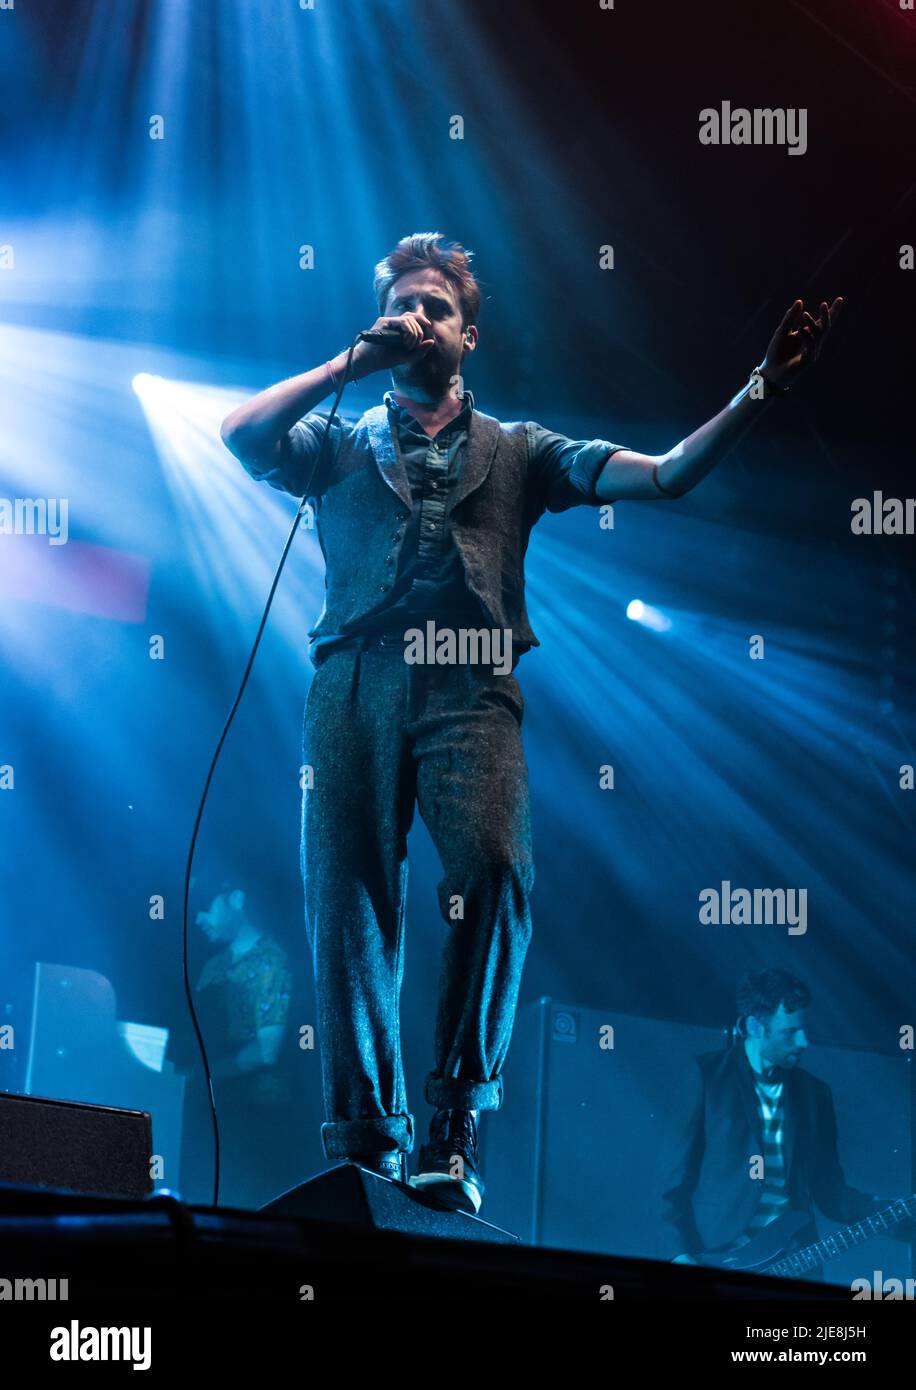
{"x": 769, "y": 1251}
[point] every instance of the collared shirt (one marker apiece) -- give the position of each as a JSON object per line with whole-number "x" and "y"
{"x": 429, "y": 580}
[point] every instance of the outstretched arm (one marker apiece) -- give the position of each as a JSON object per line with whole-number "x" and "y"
{"x": 795, "y": 345}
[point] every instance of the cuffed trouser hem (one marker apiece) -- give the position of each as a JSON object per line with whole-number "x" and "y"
{"x": 352, "y": 1138}
{"x": 446, "y": 1094}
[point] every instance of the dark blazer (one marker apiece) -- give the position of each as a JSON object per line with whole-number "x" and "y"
{"x": 709, "y": 1195}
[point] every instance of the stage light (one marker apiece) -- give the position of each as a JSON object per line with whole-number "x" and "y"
{"x": 639, "y": 612}
{"x": 142, "y": 382}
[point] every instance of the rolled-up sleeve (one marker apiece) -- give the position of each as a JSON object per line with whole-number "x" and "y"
{"x": 295, "y": 471}
{"x": 565, "y": 471}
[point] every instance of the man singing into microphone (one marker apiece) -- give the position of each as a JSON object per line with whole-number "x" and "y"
{"x": 424, "y": 510}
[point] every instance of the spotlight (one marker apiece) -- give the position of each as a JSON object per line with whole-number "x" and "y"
{"x": 639, "y": 612}
{"x": 143, "y": 382}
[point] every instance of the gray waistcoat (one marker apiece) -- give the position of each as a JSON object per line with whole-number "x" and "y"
{"x": 366, "y": 497}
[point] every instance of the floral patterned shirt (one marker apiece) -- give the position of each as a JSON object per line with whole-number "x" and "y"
{"x": 244, "y": 994}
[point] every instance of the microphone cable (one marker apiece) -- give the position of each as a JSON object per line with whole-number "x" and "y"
{"x": 219, "y": 748}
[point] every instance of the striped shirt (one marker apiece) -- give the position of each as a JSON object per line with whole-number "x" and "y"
{"x": 773, "y": 1197}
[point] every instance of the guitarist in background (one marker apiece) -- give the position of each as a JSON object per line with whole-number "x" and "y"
{"x": 754, "y": 1102}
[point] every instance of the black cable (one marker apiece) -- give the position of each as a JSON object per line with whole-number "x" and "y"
{"x": 219, "y": 748}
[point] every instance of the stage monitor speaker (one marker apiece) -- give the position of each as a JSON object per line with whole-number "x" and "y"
{"x": 356, "y": 1197}
{"x": 75, "y": 1147}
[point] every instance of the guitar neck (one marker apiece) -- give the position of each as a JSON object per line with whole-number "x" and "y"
{"x": 847, "y": 1238}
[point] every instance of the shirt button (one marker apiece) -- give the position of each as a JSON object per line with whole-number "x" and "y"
{"x": 432, "y": 526}
{"x": 434, "y": 485}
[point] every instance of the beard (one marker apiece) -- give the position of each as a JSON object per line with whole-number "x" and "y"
{"x": 425, "y": 377}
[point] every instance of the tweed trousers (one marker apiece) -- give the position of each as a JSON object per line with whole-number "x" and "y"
{"x": 380, "y": 738}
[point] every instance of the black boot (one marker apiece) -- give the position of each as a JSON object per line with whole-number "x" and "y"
{"x": 391, "y": 1165}
{"x": 448, "y": 1169}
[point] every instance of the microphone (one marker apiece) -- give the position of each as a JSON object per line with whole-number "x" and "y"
{"x": 386, "y": 336}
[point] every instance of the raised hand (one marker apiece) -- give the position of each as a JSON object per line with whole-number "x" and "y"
{"x": 416, "y": 337}
{"x": 798, "y": 340}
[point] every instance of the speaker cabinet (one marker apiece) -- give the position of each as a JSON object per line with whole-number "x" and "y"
{"x": 76, "y": 1147}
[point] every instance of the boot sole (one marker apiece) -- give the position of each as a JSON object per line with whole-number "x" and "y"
{"x": 453, "y": 1194}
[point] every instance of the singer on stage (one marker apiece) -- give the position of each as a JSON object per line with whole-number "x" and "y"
{"x": 424, "y": 510}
